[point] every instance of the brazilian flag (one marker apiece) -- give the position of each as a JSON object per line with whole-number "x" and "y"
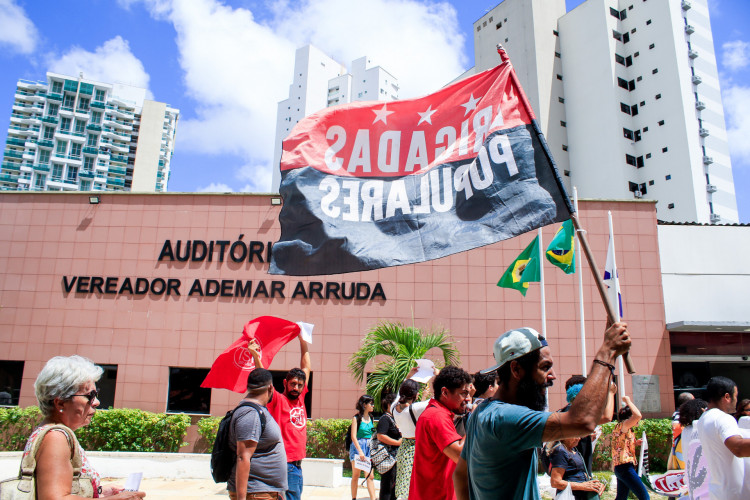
{"x": 523, "y": 270}
{"x": 561, "y": 251}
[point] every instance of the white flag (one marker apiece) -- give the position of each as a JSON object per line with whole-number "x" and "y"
{"x": 611, "y": 279}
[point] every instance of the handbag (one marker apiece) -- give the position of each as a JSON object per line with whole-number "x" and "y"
{"x": 23, "y": 487}
{"x": 566, "y": 494}
{"x": 383, "y": 459}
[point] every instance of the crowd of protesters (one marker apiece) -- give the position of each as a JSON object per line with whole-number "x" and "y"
{"x": 471, "y": 437}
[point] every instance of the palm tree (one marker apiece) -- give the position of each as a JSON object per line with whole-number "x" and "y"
{"x": 401, "y": 346}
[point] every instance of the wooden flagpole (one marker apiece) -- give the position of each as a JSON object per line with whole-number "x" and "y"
{"x": 599, "y": 283}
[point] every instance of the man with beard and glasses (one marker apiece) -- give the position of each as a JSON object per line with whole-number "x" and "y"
{"x": 499, "y": 459}
{"x": 437, "y": 444}
{"x": 288, "y": 409}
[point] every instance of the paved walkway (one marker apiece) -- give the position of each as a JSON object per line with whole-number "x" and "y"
{"x": 195, "y": 489}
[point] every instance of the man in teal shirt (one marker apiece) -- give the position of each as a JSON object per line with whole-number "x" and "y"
{"x": 498, "y": 460}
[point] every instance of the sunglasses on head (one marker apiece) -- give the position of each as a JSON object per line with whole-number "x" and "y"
{"x": 91, "y": 396}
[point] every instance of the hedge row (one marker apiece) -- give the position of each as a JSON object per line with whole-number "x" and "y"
{"x": 111, "y": 430}
{"x": 138, "y": 430}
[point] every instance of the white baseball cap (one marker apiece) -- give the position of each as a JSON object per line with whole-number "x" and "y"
{"x": 515, "y": 343}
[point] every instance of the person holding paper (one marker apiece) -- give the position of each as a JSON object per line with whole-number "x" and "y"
{"x": 68, "y": 398}
{"x": 361, "y": 432}
{"x": 288, "y": 409}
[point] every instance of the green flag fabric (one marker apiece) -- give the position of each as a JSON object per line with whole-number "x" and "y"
{"x": 561, "y": 250}
{"x": 523, "y": 270}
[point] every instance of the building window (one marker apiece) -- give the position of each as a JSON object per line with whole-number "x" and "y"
{"x": 651, "y": 46}
{"x": 648, "y": 155}
{"x": 632, "y": 32}
{"x": 619, "y": 59}
{"x": 479, "y": 28}
{"x": 645, "y": 129}
{"x": 622, "y": 83}
{"x": 52, "y": 109}
{"x": 75, "y": 150}
{"x": 628, "y": 61}
{"x": 64, "y": 124}
{"x": 85, "y": 185}
{"x": 617, "y": 35}
{"x": 625, "y": 37}
{"x": 185, "y": 392}
{"x": 650, "y": 183}
{"x": 648, "y": 22}
{"x": 96, "y": 118}
{"x": 11, "y": 374}
{"x": 554, "y": 32}
{"x": 557, "y": 55}
{"x": 62, "y": 147}
{"x": 624, "y": 108}
{"x": 639, "y": 162}
{"x": 657, "y": 96}
{"x": 668, "y": 177}
{"x": 639, "y": 79}
{"x": 566, "y": 173}
{"x": 499, "y": 25}
{"x": 562, "y": 123}
{"x": 68, "y": 101}
{"x": 628, "y": 134}
{"x": 636, "y": 54}
{"x": 80, "y": 126}
{"x": 40, "y": 181}
{"x": 614, "y": 13}
{"x": 559, "y": 77}
{"x": 88, "y": 163}
{"x": 654, "y": 71}
{"x": 564, "y": 147}
{"x": 634, "y": 109}
{"x": 661, "y": 122}
{"x": 83, "y": 104}
{"x": 43, "y": 156}
{"x": 56, "y": 87}
{"x": 630, "y": 160}
{"x": 99, "y": 95}
{"x": 92, "y": 140}
{"x": 72, "y": 174}
{"x": 670, "y": 206}
{"x": 561, "y": 100}
{"x": 637, "y": 135}
{"x": 49, "y": 132}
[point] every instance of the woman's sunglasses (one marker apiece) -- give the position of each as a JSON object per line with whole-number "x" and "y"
{"x": 91, "y": 396}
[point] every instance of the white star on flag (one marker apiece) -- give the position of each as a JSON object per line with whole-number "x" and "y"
{"x": 426, "y": 116}
{"x": 381, "y": 114}
{"x": 470, "y": 105}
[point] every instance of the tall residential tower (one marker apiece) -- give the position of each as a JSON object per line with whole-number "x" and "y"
{"x": 627, "y": 93}
{"x": 76, "y": 134}
{"x": 319, "y": 82}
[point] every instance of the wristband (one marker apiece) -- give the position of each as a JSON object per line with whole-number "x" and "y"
{"x": 607, "y": 365}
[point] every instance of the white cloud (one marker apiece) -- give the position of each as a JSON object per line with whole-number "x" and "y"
{"x": 737, "y": 110}
{"x": 736, "y": 55}
{"x": 237, "y": 68}
{"x": 111, "y": 62}
{"x": 215, "y": 187}
{"x": 16, "y": 30}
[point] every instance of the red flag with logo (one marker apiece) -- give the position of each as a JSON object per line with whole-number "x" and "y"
{"x": 231, "y": 368}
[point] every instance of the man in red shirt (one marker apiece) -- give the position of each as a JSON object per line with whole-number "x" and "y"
{"x": 288, "y": 409}
{"x": 438, "y": 446}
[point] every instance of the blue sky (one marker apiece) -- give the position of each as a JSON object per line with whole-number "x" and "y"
{"x": 225, "y": 64}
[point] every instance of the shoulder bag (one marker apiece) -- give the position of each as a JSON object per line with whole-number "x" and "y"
{"x": 23, "y": 487}
{"x": 382, "y": 458}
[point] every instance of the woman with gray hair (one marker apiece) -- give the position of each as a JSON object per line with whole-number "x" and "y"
{"x": 67, "y": 396}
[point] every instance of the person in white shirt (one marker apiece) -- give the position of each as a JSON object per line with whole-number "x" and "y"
{"x": 722, "y": 442}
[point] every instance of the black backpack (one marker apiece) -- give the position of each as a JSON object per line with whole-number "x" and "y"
{"x": 223, "y": 457}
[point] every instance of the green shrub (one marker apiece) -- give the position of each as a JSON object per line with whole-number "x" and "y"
{"x": 16, "y": 425}
{"x": 134, "y": 430}
{"x": 325, "y": 437}
{"x": 658, "y": 434}
{"x": 208, "y": 427}
{"x": 110, "y": 430}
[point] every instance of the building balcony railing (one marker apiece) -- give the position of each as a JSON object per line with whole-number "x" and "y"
{"x": 45, "y": 143}
{"x": 16, "y": 142}
{"x": 89, "y": 150}
{"x": 686, "y": 5}
{"x": 708, "y": 160}
{"x": 94, "y": 126}
{"x": 117, "y": 170}
{"x": 697, "y": 80}
{"x": 700, "y": 105}
{"x": 97, "y": 104}
{"x": 118, "y": 158}
{"x": 86, "y": 174}
{"x": 711, "y": 188}
{"x": 41, "y": 168}
{"x": 689, "y": 29}
{"x": 114, "y": 181}
{"x": 13, "y": 154}
{"x": 15, "y": 167}
{"x": 50, "y": 119}
{"x": 692, "y": 54}
{"x": 715, "y": 218}
{"x": 8, "y": 178}
{"x": 703, "y": 132}
{"x": 54, "y": 97}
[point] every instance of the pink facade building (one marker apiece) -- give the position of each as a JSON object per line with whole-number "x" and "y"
{"x": 99, "y": 280}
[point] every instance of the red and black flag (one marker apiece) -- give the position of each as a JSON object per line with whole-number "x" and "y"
{"x": 374, "y": 184}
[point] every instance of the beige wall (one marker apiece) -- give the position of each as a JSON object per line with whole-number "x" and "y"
{"x": 149, "y": 146}
{"x": 46, "y": 236}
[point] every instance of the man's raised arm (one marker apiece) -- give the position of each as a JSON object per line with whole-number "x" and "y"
{"x": 305, "y": 364}
{"x": 588, "y": 406}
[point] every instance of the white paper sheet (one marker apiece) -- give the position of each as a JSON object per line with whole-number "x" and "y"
{"x": 364, "y": 465}
{"x": 425, "y": 370}
{"x": 306, "y": 331}
{"x": 133, "y": 482}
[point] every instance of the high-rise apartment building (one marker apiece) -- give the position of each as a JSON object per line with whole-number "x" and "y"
{"x": 319, "y": 82}
{"x": 76, "y": 134}
{"x": 627, "y": 93}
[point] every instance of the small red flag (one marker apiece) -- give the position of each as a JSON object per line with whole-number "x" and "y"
{"x": 231, "y": 368}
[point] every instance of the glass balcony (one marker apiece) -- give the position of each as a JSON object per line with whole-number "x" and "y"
{"x": 94, "y": 126}
{"x": 54, "y": 97}
{"x": 8, "y": 178}
{"x": 118, "y": 158}
{"x": 50, "y": 119}
{"x": 91, "y": 150}
{"x": 97, "y": 104}
{"x": 41, "y": 168}
{"x": 14, "y": 154}
{"x": 86, "y": 174}
{"x": 16, "y": 142}
{"x": 15, "y": 167}
{"x": 114, "y": 181}
{"x": 117, "y": 170}
{"x": 45, "y": 143}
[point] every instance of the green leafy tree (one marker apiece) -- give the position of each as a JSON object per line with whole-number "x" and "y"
{"x": 399, "y": 347}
